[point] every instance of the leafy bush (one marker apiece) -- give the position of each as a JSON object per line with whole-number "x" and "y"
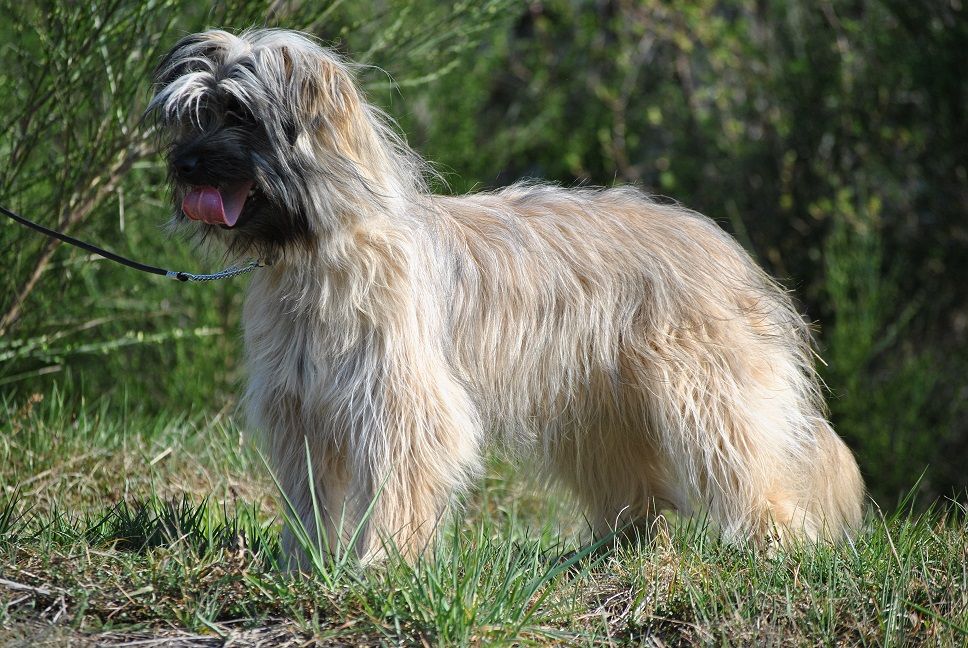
{"x": 828, "y": 137}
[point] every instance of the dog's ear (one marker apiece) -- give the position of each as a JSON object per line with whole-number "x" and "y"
{"x": 186, "y": 73}
{"x": 200, "y": 52}
{"x": 320, "y": 89}
{"x": 176, "y": 61}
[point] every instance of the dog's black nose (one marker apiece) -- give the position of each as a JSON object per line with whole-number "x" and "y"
{"x": 186, "y": 164}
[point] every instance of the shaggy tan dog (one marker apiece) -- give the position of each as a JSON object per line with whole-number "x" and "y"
{"x": 630, "y": 350}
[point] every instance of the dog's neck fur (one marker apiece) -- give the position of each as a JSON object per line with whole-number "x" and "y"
{"x": 361, "y": 257}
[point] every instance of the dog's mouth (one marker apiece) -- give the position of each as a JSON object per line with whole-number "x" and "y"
{"x": 217, "y": 205}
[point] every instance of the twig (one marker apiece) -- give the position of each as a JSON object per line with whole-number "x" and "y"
{"x": 74, "y": 215}
{"x": 20, "y": 587}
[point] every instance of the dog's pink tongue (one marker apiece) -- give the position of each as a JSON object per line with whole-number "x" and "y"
{"x": 204, "y": 204}
{"x": 214, "y": 206}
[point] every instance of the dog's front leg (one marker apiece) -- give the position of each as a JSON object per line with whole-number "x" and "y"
{"x": 311, "y": 474}
{"x": 410, "y": 463}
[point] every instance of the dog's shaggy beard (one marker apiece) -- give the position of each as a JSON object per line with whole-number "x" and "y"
{"x": 634, "y": 351}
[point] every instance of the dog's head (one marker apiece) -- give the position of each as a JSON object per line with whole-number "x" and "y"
{"x": 263, "y": 136}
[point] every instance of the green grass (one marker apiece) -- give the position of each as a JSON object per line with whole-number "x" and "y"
{"x": 118, "y": 526}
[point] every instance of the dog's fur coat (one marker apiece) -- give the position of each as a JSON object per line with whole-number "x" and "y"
{"x": 632, "y": 350}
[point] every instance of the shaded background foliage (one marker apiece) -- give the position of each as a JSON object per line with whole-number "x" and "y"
{"x": 829, "y": 137}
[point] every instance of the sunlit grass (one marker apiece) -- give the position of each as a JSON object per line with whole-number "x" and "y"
{"x": 136, "y": 527}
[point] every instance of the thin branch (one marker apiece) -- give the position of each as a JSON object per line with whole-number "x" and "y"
{"x": 99, "y": 188}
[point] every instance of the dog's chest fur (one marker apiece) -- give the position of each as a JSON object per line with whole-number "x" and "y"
{"x": 287, "y": 373}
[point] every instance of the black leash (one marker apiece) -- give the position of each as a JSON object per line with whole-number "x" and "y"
{"x": 173, "y": 274}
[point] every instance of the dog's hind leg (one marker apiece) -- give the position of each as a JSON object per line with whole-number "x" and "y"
{"x": 744, "y": 442}
{"x": 616, "y": 477}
